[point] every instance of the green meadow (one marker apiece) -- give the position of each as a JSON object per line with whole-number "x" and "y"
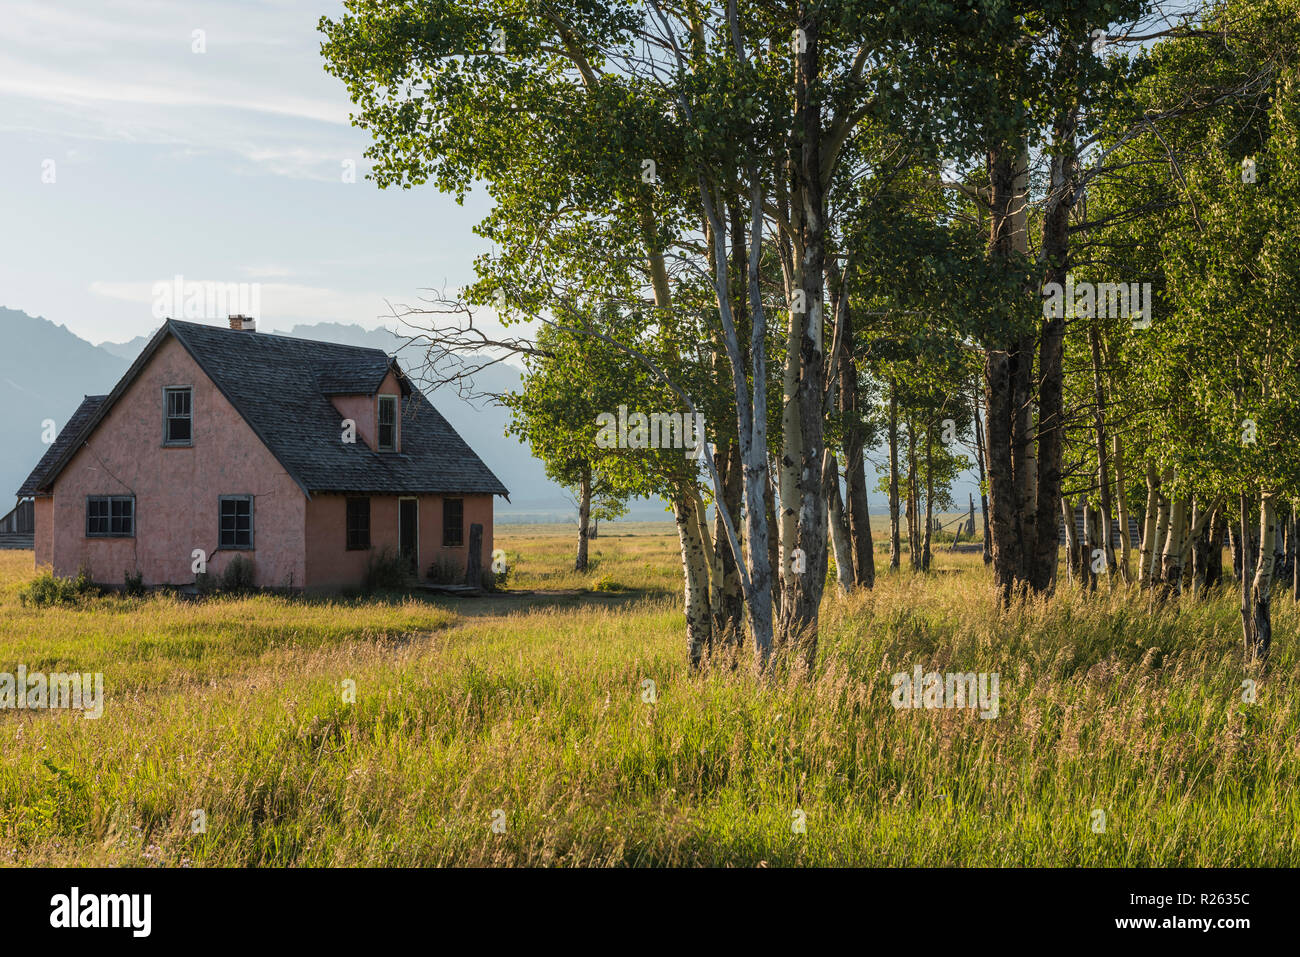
{"x": 557, "y": 723}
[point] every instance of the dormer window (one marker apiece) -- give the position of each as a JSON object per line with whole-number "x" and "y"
{"x": 177, "y": 422}
{"x": 387, "y": 423}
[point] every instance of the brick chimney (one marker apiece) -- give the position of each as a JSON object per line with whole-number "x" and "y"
{"x": 242, "y": 323}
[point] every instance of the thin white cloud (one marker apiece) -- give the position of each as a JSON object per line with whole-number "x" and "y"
{"x": 61, "y": 29}
{"x": 173, "y": 88}
{"x": 124, "y": 70}
{"x": 268, "y": 271}
{"x": 115, "y": 82}
{"x": 284, "y": 147}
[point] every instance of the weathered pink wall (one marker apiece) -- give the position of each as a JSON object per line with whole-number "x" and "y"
{"x": 43, "y": 515}
{"x": 477, "y": 508}
{"x": 330, "y": 563}
{"x": 176, "y": 489}
{"x": 364, "y": 411}
{"x": 297, "y": 543}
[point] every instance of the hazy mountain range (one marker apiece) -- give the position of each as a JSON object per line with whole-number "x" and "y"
{"x": 45, "y": 370}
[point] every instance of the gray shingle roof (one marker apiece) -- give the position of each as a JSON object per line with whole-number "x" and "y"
{"x": 66, "y": 440}
{"x": 281, "y": 386}
{"x": 353, "y": 375}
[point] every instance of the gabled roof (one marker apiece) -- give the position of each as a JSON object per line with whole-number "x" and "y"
{"x": 66, "y": 440}
{"x": 358, "y": 375}
{"x": 281, "y": 387}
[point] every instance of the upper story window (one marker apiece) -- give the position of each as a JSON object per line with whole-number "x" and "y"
{"x": 387, "y": 423}
{"x": 236, "y": 522}
{"x": 178, "y": 426}
{"x": 110, "y": 516}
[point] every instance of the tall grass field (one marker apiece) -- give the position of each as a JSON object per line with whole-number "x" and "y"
{"x": 557, "y": 723}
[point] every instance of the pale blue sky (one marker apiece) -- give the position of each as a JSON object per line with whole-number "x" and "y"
{"x": 223, "y": 166}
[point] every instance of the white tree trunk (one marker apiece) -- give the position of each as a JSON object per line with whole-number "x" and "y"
{"x": 1162, "y": 529}
{"x": 1261, "y": 589}
{"x": 1172, "y": 559}
{"x": 1071, "y": 538}
{"x": 751, "y": 418}
{"x": 1146, "y": 554}
{"x": 1121, "y": 508}
{"x": 695, "y": 570}
{"x": 838, "y": 527}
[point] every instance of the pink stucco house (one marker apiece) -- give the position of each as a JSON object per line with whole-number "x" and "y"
{"x": 304, "y": 457}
